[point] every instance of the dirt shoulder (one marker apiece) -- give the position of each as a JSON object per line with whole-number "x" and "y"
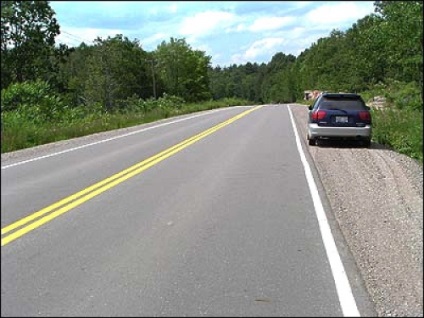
{"x": 376, "y": 196}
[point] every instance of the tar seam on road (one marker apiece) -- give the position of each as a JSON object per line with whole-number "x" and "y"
{"x": 80, "y": 197}
{"x": 344, "y": 291}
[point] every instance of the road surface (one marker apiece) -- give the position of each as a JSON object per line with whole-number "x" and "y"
{"x": 212, "y": 214}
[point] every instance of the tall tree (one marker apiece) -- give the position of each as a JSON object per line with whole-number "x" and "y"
{"x": 403, "y": 32}
{"x": 184, "y": 71}
{"x": 118, "y": 69}
{"x": 276, "y": 86}
{"x": 28, "y": 31}
{"x": 368, "y": 63}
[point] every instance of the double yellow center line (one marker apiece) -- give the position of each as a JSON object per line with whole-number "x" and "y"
{"x": 35, "y": 220}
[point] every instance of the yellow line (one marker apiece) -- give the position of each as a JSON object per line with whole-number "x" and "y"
{"x": 100, "y": 187}
{"x": 91, "y": 188}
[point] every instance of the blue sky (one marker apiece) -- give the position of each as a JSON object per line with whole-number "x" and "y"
{"x": 231, "y": 32}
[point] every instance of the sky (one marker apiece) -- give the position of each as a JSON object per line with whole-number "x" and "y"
{"x": 231, "y": 32}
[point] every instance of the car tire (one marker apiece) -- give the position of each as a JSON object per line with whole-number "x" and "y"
{"x": 312, "y": 142}
{"x": 366, "y": 143}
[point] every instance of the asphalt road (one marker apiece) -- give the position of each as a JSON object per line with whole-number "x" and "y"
{"x": 224, "y": 224}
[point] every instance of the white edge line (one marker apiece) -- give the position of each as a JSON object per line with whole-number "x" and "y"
{"x": 113, "y": 138}
{"x": 344, "y": 291}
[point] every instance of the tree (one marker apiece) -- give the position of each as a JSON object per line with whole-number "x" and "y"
{"x": 183, "y": 71}
{"x": 117, "y": 69}
{"x": 403, "y": 35}
{"x": 28, "y": 31}
{"x": 217, "y": 82}
{"x": 277, "y": 83}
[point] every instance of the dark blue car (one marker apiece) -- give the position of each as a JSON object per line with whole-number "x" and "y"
{"x": 339, "y": 116}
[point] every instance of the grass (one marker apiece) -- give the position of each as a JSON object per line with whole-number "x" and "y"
{"x": 401, "y": 130}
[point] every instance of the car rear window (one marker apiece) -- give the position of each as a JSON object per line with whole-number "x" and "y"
{"x": 342, "y": 103}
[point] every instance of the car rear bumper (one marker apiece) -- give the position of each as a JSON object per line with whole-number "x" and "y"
{"x": 315, "y": 131}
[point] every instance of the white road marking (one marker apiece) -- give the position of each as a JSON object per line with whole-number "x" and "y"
{"x": 344, "y": 291}
{"x": 113, "y": 138}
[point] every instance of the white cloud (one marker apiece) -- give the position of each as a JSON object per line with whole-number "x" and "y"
{"x": 114, "y": 9}
{"x": 257, "y": 49}
{"x": 203, "y": 47}
{"x": 154, "y": 38}
{"x": 262, "y": 46}
{"x": 241, "y": 27}
{"x": 153, "y": 11}
{"x": 237, "y": 28}
{"x": 237, "y": 59}
{"x": 296, "y": 35}
{"x": 172, "y": 8}
{"x": 337, "y": 13}
{"x": 302, "y": 4}
{"x": 297, "y": 32}
{"x": 217, "y": 59}
{"x": 270, "y": 23}
{"x": 204, "y": 23}
{"x": 68, "y": 40}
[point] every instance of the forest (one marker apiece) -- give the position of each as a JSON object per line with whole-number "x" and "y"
{"x": 51, "y": 92}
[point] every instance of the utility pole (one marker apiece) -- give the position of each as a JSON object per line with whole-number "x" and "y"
{"x": 154, "y": 79}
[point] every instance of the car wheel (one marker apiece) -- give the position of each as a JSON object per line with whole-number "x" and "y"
{"x": 311, "y": 142}
{"x": 366, "y": 143}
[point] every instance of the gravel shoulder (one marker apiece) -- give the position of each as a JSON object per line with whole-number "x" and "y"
{"x": 376, "y": 196}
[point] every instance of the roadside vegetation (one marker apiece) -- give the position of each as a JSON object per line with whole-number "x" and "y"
{"x": 42, "y": 118}
{"x": 51, "y": 92}
{"x": 398, "y": 124}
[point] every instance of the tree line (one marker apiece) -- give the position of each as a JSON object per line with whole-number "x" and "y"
{"x": 384, "y": 48}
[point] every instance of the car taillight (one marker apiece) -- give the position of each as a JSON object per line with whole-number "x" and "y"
{"x": 365, "y": 115}
{"x": 318, "y": 115}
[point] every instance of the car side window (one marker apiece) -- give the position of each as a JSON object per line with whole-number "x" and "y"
{"x": 315, "y": 103}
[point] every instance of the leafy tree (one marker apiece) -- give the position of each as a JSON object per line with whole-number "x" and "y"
{"x": 116, "y": 69}
{"x": 183, "y": 71}
{"x": 277, "y": 84}
{"x": 73, "y": 73}
{"x": 28, "y": 31}
{"x": 403, "y": 35}
{"x": 367, "y": 60}
{"x": 217, "y": 82}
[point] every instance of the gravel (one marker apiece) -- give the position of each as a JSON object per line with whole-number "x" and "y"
{"x": 376, "y": 196}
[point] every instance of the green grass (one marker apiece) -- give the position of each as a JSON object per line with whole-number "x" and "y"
{"x": 401, "y": 130}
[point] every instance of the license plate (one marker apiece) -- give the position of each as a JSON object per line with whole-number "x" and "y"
{"x": 342, "y": 119}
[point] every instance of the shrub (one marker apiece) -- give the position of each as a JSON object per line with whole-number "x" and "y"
{"x": 401, "y": 129}
{"x": 405, "y": 95}
{"x": 34, "y": 100}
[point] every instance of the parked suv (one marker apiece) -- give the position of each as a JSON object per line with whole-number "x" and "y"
{"x": 339, "y": 116}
